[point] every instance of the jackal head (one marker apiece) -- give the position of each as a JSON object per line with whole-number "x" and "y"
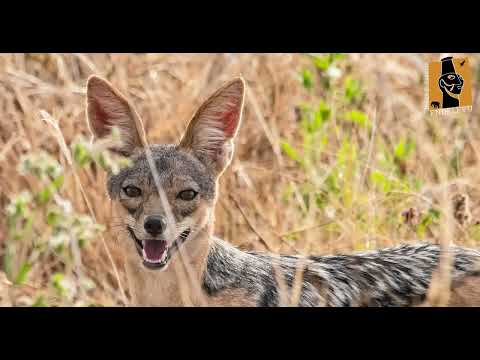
{"x": 167, "y": 194}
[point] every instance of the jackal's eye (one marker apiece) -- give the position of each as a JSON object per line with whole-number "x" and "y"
{"x": 132, "y": 191}
{"x": 187, "y": 195}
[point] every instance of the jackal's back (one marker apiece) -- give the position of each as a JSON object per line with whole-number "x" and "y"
{"x": 398, "y": 276}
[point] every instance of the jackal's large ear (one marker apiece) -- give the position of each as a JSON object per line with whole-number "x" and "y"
{"x": 108, "y": 108}
{"x": 210, "y": 133}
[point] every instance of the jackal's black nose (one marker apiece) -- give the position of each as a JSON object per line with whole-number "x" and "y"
{"x": 154, "y": 225}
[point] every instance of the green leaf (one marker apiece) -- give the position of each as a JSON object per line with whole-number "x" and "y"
{"x": 307, "y": 79}
{"x": 22, "y": 274}
{"x": 322, "y": 62}
{"x": 378, "y": 178}
{"x": 58, "y": 182}
{"x": 8, "y": 262}
{"x": 417, "y": 184}
{"x": 45, "y": 195}
{"x": 347, "y": 154}
{"x": 403, "y": 149}
{"x": 352, "y": 89}
{"x": 331, "y": 182}
{"x": 290, "y": 151}
{"x": 39, "y": 302}
{"x": 314, "y": 122}
{"x": 81, "y": 155}
{"x": 337, "y": 56}
{"x": 400, "y": 149}
{"x": 358, "y": 117}
{"x": 64, "y": 286}
{"x": 324, "y": 111}
{"x": 52, "y": 218}
{"x": 434, "y": 213}
{"x": 321, "y": 199}
{"x": 57, "y": 282}
{"x": 428, "y": 219}
{"x": 103, "y": 161}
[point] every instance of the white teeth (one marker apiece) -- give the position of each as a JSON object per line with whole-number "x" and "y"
{"x": 164, "y": 256}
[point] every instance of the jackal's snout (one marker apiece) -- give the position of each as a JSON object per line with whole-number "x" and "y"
{"x": 154, "y": 225}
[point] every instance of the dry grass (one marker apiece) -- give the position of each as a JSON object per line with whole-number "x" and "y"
{"x": 166, "y": 89}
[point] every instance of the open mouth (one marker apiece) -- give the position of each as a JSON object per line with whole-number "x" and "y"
{"x": 156, "y": 253}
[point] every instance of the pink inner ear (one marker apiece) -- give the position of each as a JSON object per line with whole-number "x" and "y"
{"x": 101, "y": 117}
{"x": 230, "y": 121}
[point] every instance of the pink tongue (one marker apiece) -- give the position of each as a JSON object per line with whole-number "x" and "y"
{"x": 154, "y": 249}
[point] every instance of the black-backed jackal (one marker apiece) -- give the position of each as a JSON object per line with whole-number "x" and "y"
{"x": 166, "y": 199}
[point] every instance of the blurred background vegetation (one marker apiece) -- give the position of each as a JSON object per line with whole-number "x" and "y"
{"x": 336, "y": 154}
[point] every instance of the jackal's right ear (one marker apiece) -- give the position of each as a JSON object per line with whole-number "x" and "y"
{"x": 108, "y": 108}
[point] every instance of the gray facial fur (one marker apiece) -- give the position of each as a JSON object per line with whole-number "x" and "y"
{"x": 177, "y": 171}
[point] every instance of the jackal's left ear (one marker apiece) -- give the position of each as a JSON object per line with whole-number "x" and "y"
{"x": 210, "y": 133}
